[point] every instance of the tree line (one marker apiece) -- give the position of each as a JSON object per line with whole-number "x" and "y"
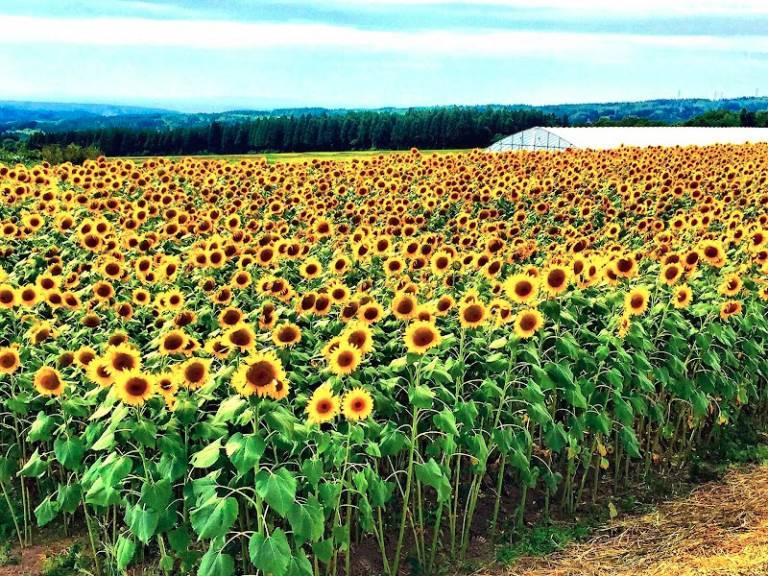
{"x": 433, "y": 128}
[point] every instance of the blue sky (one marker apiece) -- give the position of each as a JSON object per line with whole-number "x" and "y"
{"x": 214, "y": 55}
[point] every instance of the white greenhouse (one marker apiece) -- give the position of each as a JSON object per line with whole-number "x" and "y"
{"x": 553, "y": 138}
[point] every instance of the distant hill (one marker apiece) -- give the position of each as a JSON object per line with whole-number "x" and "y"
{"x": 64, "y": 117}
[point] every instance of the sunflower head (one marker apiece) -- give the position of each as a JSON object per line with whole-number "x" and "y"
{"x": 359, "y": 335}
{"x": 323, "y": 406}
{"x": 421, "y": 336}
{"x": 682, "y": 296}
{"x": 9, "y": 360}
{"x": 133, "y": 387}
{"x": 48, "y": 382}
{"x": 123, "y": 358}
{"x": 528, "y": 322}
{"x": 344, "y": 359}
{"x": 194, "y": 373}
{"x": 357, "y": 405}
{"x": 99, "y": 371}
{"x": 521, "y": 288}
{"x": 259, "y": 375}
{"x": 472, "y": 314}
{"x": 286, "y": 334}
{"x": 636, "y": 301}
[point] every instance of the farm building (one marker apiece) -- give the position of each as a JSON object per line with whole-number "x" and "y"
{"x": 553, "y": 138}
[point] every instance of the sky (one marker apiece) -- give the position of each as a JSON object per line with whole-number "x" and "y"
{"x": 209, "y": 55}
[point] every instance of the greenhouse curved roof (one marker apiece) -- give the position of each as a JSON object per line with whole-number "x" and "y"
{"x": 555, "y": 138}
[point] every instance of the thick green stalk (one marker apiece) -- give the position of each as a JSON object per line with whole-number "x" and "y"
{"x": 407, "y": 492}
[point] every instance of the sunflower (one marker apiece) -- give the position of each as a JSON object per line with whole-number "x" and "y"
{"x": 528, "y": 322}
{"x": 670, "y": 273}
{"x": 173, "y": 342}
{"x": 311, "y": 268}
{"x": 123, "y": 358}
{"x": 625, "y": 323}
{"x": 286, "y": 334}
{"x": 241, "y": 337}
{"x": 194, "y": 373}
{"x": 344, "y": 359}
{"x": 323, "y": 406}
{"x": 7, "y": 296}
{"x": 730, "y": 308}
{"x": 133, "y": 387}
{"x": 713, "y": 253}
{"x": 472, "y": 314}
{"x": 280, "y": 390}
{"x": 40, "y": 332}
{"x": 99, "y": 372}
{"x": 48, "y": 381}
{"x": 359, "y": 335}
{"x": 404, "y": 306}
{"x": 357, "y": 405}
{"x": 84, "y": 356}
{"x": 9, "y": 359}
{"x": 140, "y": 297}
{"x": 29, "y": 295}
{"x": 521, "y": 288}
{"x": 556, "y": 280}
{"x": 444, "y": 305}
{"x": 103, "y": 291}
{"x": 370, "y": 313}
{"x": 259, "y": 375}
{"x": 626, "y": 267}
{"x": 339, "y": 292}
{"x": 731, "y": 285}
{"x": 636, "y": 301}
{"x": 217, "y": 348}
{"x": 167, "y": 383}
{"x": 682, "y": 296}
{"x": 421, "y": 336}
{"x": 230, "y": 316}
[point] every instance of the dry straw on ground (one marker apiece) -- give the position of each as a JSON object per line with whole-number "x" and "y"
{"x": 721, "y": 529}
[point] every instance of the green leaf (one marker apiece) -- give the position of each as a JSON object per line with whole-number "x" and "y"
{"x": 575, "y": 397}
{"x": 278, "y": 489}
{"x": 208, "y": 456}
{"x": 432, "y": 475}
{"x": 323, "y": 550}
{"x": 69, "y": 451}
{"x": 35, "y": 466}
{"x": 46, "y": 511}
{"x": 157, "y": 495}
{"x": 629, "y": 439}
{"x": 245, "y": 451}
{"x": 142, "y": 522}
{"x": 421, "y": 396}
{"x": 227, "y": 411}
{"x": 124, "y": 551}
{"x": 446, "y": 421}
{"x": 300, "y": 565}
{"x": 41, "y": 428}
{"x": 215, "y": 563}
{"x": 270, "y": 554}
{"x": 215, "y": 517}
{"x": 307, "y": 521}
{"x": 312, "y": 468}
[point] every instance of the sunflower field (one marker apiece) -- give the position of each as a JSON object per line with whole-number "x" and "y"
{"x": 223, "y": 368}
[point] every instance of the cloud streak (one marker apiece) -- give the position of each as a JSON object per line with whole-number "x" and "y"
{"x": 230, "y": 35}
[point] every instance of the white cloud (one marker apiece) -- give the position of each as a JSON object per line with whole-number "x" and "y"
{"x": 229, "y": 35}
{"x": 605, "y": 8}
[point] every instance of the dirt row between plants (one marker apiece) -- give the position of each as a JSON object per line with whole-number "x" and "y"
{"x": 720, "y": 529}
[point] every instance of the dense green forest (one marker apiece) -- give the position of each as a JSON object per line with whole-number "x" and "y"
{"x": 458, "y": 127}
{"x": 426, "y": 128}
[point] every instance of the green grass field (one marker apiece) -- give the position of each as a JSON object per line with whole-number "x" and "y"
{"x": 308, "y": 156}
